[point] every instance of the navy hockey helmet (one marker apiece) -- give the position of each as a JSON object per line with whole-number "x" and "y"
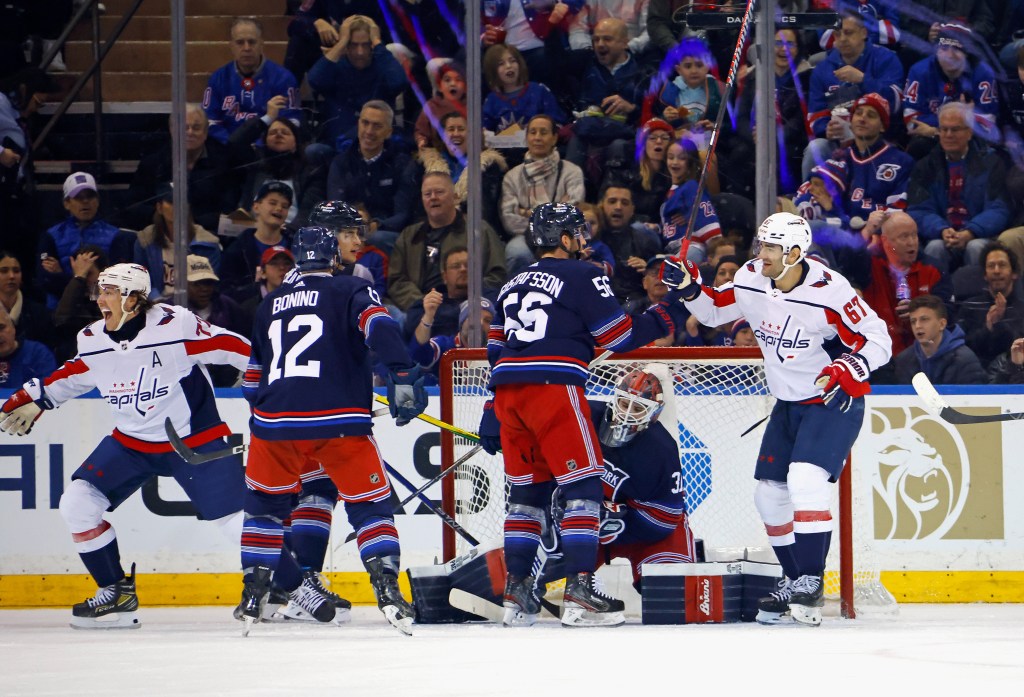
{"x": 636, "y": 404}
{"x": 338, "y": 216}
{"x": 550, "y": 221}
{"x": 315, "y": 249}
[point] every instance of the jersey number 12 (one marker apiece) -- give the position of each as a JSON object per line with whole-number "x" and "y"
{"x": 314, "y": 329}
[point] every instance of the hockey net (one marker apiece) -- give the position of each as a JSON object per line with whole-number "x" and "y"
{"x": 717, "y": 395}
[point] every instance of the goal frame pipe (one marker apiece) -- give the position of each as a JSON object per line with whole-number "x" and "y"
{"x": 449, "y": 358}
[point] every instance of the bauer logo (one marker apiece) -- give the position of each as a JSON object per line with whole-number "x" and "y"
{"x": 933, "y": 480}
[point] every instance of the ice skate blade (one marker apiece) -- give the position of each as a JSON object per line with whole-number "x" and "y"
{"x": 115, "y": 620}
{"x": 807, "y": 616}
{"x": 249, "y": 622}
{"x": 576, "y": 616}
{"x": 402, "y": 624}
{"x": 515, "y": 617}
{"x": 769, "y": 618}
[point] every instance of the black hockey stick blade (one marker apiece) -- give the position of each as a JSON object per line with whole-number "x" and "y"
{"x": 191, "y": 456}
{"x": 937, "y": 405}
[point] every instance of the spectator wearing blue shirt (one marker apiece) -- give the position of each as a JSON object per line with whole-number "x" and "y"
{"x": 20, "y": 361}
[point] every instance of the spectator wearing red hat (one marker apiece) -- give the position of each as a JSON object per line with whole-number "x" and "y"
{"x": 868, "y": 176}
{"x": 742, "y": 335}
{"x": 953, "y": 74}
{"x": 275, "y": 264}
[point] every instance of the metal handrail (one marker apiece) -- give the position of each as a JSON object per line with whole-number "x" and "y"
{"x": 99, "y": 54}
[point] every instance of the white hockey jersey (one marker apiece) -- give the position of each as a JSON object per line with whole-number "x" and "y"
{"x": 158, "y": 374}
{"x": 791, "y": 328}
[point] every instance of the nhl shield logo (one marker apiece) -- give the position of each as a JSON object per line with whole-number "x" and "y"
{"x": 571, "y": 465}
{"x": 124, "y": 345}
{"x": 375, "y": 478}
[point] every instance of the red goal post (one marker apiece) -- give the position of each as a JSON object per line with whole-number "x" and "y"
{"x": 717, "y": 394}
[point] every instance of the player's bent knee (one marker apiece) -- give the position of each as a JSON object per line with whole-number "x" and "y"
{"x": 82, "y": 506}
{"x": 525, "y": 511}
{"x": 259, "y": 504}
{"x": 773, "y": 502}
{"x": 360, "y": 514}
{"x": 315, "y": 501}
{"x": 588, "y": 488}
{"x": 809, "y": 487}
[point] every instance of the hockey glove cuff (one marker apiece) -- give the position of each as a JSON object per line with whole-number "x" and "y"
{"x": 843, "y": 380}
{"x": 490, "y": 429}
{"x": 19, "y": 414}
{"x": 407, "y": 397}
{"x": 682, "y": 275}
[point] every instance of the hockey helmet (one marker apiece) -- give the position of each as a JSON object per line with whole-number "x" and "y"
{"x": 338, "y": 216}
{"x": 786, "y": 230}
{"x": 315, "y": 249}
{"x": 129, "y": 279}
{"x": 636, "y": 403}
{"x": 550, "y": 221}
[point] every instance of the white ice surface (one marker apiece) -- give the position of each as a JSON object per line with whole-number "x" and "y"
{"x": 961, "y": 650}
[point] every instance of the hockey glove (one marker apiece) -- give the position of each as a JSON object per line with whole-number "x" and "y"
{"x": 843, "y": 380}
{"x": 19, "y": 414}
{"x": 490, "y": 429}
{"x": 682, "y": 275}
{"x": 407, "y": 397}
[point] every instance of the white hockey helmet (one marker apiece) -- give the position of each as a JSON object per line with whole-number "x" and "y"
{"x": 786, "y": 230}
{"x": 128, "y": 279}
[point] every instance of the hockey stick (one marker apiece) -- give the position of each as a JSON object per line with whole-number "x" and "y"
{"x": 730, "y": 83}
{"x": 448, "y": 520}
{"x": 468, "y": 435}
{"x": 937, "y": 405}
{"x": 401, "y": 504}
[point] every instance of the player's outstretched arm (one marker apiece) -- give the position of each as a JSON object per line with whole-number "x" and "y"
{"x": 20, "y": 413}
{"x": 711, "y": 306}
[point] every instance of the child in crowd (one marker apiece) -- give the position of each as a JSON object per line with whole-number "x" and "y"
{"x": 683, "y": 163}
{"x": 514, "y": 100}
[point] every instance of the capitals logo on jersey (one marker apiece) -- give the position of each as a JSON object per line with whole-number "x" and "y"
{"x": 137, "y": 394}
{"x": 786, "y": 343}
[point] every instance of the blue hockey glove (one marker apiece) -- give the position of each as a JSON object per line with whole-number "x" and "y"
{"x": 490, "y": 429}
{"x": 843, "y": 380}
{"x": 407, "y": 397}
{"x": 682, "y": 275}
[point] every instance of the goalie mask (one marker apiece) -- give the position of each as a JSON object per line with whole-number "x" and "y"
{"x": 636, "y": 404}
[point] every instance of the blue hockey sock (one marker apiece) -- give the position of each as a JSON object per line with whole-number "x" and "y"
{"x": 787, "y": 558}
{"x": 262, "y": 540}
{"x": 378, "y": 537}
{"x": 522, "y": 537}
{"x": 311, "y": 531}
{"x": 579, "y": 535}
{"x": 810, "y": 552}
{"x": 104, "y": 564}
{"x": 287, "y": 575}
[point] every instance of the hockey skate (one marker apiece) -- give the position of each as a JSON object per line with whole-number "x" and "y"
{"x": 254, "y": 597}
{"x": 586, "y": 604}
{"x": 807, "y": 600}
{"x": 384, "y": 579}
{"x": 773, "y": 608}
{"x": 277, "y": 600}
{"x": 313, "y": 594}
{"x": 113, "y": 607}
{"x": 522, "y": 606}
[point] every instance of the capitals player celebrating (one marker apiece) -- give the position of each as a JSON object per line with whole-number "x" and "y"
{"x": 795, "y": 305}
{"x": 547, "y": 321}
{"x": 310, "y": 386}
{"x": 147, "y": 361}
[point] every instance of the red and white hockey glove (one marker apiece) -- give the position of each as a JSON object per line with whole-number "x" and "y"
{"x": 682, "y": 275}
{"x": 843, "y": 380}
{"x": 19, "y": 414}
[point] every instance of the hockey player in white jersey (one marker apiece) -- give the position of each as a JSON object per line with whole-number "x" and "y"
{"x": 146, "y": 360}
{"x": 796, "y": 306}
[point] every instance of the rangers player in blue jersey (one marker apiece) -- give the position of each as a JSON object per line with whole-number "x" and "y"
{"x": 310, "y": 385}
{"x": 147, "y": 361}
{"x": 547, "y": 322}
{"x": 795, "y": 305}
{"x": 241, "y": 89}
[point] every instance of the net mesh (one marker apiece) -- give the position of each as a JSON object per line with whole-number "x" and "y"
{"x": 717, "y": 409}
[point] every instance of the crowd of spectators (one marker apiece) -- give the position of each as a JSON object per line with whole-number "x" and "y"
{"x": 900, "y": 136}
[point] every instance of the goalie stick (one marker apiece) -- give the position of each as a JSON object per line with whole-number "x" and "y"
{"x": 938, "y": 405}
